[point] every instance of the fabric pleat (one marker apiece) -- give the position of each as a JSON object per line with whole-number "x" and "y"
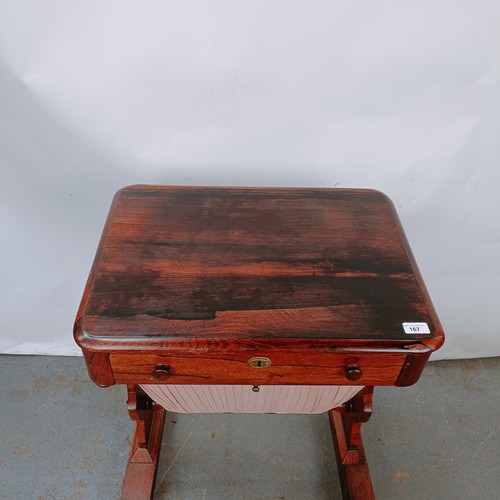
{"x": 242, "y": 399}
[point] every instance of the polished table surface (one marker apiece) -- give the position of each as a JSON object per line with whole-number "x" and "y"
{"x": 202, "y": 280}
{"x": 267, "y": 291}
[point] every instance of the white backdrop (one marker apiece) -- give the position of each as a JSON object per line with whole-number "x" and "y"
{"x": 399, "y": 96}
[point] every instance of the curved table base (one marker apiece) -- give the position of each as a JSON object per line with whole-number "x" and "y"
{"x": 345, "y": 424}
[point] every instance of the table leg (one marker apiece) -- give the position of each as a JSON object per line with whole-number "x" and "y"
{"x": 346, "y": 432}
{"x": 149, "y": 418}
{"x": 351, "y": 459}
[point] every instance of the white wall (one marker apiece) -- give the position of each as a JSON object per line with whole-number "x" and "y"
{"x": 398, "y": 96}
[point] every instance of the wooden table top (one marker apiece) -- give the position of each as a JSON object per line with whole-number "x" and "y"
{"x": 188, "y": 266}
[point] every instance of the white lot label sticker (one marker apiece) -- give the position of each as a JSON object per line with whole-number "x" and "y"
{"x": 416, "y": 328}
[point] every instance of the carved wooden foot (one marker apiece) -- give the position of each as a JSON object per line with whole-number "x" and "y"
{"x": 146, "y": 443}
{"x": 351, "y": 460}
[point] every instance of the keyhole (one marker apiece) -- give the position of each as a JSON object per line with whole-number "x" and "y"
{"x": 259, "y": 362}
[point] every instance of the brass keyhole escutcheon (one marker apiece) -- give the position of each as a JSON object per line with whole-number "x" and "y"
{"x": 259, "y": 362}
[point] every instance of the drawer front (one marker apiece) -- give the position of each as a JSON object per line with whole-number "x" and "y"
{"x": 239, "y": 368}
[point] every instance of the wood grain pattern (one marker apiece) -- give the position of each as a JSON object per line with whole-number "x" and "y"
{"x": 99, "y": 368}
{"x": 189, "y": 283}
{"x": 287, "y": 368}
{"x": 413, "y": 366}
{"x": 352, "y": 465}
{"x": 234, "y": 263}
{"x": 142, "y": 466}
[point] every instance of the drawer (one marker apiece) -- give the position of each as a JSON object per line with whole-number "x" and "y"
{"x": 316, "y": 368}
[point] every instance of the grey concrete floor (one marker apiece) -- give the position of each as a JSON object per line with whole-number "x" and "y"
{"x": 64, "y": 438}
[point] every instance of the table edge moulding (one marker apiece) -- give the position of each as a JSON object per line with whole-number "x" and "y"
{"x": 292, "y": 299}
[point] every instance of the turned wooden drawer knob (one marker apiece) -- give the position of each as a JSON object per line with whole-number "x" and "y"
{"x": 161, "y": 372}
{"x": 353, "y": 372}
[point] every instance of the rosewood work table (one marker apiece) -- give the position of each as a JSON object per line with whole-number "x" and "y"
{"x": 275, "y": 296}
